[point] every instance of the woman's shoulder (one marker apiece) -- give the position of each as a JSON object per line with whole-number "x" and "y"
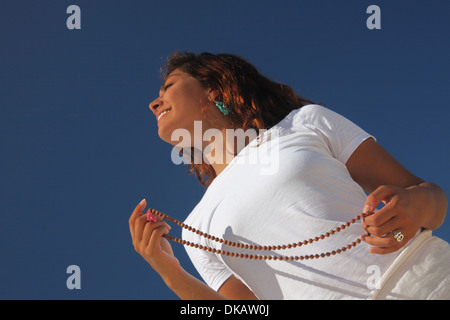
{"x": 318, "y": 116}
{"x": 308, "y": 115}
{"x": 314, "y": 112}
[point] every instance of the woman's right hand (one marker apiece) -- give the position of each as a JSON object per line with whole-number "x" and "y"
{"x": 149, "y": 242}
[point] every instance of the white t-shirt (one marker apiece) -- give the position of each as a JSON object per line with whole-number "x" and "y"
{"x": 293, "y": 186}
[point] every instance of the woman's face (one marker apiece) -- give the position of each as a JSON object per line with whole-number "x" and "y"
{"x": 179, "y": 104}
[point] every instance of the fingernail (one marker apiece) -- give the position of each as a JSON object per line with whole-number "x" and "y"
{"x": 142, "y": 201}
{"x": 367, "y": 209}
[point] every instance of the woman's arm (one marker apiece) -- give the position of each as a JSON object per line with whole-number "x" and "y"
{"x": 187, "y": 287}
{"x": 410, "y": 202}
{"x": 148, "y": 241}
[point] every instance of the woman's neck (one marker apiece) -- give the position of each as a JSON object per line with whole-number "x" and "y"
{"x": 223, "y": 145}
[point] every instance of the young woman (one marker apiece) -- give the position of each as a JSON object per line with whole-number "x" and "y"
{"x": 321, "y": 166}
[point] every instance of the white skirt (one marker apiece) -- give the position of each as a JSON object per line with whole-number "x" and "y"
{"x": 421, "y": 272}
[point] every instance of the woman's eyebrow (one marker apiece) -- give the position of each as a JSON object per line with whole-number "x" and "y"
{"x": 165, "y": 80}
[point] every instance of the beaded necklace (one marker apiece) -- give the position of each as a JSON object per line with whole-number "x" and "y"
{"x": 258, "y": 247}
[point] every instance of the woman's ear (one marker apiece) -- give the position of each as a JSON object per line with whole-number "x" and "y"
{"x": 213, "y": 95}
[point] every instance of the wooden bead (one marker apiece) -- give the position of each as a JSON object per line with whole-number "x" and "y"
{"x": 267, "y": 248}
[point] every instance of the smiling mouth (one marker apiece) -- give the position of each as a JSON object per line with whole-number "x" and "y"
{"x": 163, "y": 114}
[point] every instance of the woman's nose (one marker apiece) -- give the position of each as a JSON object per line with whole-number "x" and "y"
{"x": 155, "y": 105}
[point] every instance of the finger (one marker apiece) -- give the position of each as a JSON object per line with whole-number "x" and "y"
{"x": 364, "y": 226}
{"x": 155, "y": 239}
{"x": 384, "y": 245}
{"x": 148, "y": 230}
{"x": 136, "y": 213}
{"x": 386, "y": 241}
{"x": 385, "y": 228}
{"x": 385, "y": 249}
{"x": 139, "y": 208}
{"x": 381, "y": 194}
{"x": 139, "y": 225}
{"x": 146, "y": 234}
{"x": 380, "y": 218}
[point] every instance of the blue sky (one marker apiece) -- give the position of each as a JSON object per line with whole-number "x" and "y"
{"x": 79, "y": 146}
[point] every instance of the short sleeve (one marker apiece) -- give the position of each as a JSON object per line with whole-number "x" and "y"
{"x": 213, "y": 271}
{"x": 341, "y": 135}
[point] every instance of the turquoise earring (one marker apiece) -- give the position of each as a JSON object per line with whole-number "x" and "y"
{"x": 223, "y": 108}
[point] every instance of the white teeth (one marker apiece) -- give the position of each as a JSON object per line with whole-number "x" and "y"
{"x": 163, "y": 113}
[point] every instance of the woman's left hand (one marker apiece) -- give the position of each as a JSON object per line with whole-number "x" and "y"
{"x": 410, "y": 202}
{"x": 403, "y": 212}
